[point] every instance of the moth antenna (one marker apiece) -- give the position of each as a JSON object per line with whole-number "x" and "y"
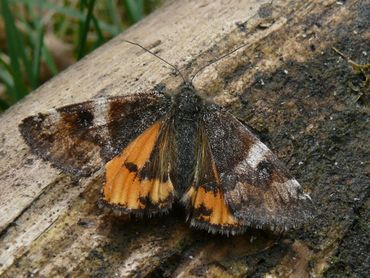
{"x": 218, "y": 59}
{"x": 155, "y": 55}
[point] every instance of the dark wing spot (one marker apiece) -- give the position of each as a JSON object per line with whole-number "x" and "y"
{"x": 201, "y": 211}
{"x": 132, "y": 167}
{"x": 76, "y": 117}
{"x": 264, "y": 173}
{"x": 210, "y": 186}
{"x": 85, "y": 119}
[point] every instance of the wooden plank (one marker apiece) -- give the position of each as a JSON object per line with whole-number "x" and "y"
{"x": 287, "y": 83}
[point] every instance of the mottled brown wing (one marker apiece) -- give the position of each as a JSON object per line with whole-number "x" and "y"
{"x": 138, "y": 179}
{"x": 79, "y": 138}
{"x": 257, "y": 188}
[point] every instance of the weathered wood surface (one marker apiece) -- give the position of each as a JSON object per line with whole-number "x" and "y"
{"x": 287, "y": 83}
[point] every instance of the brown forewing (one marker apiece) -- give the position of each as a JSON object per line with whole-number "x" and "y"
{"x": 257, "y": 187}
{"x": 78, "y": 138}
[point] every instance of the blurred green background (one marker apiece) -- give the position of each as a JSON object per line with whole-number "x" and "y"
{"x": 39, "y": 38}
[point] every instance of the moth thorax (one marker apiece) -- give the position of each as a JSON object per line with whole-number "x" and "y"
{"x": 188, "y": 103}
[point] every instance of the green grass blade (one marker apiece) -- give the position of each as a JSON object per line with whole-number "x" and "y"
{"x": 7, "y": 80}
{"x": 134, "y": 9}
{"x": 36, "y": 32}
{"x": 37, "y": 53}
{"x": 7, "y": 71}
{"x": 13, "y": 49}
{"x": 72, "y": 13}
{"x": 85, "y": 28}
{"x": 114, "y": 15}
{"x": 81, "y": 28}
{"x": 19, "y": 46}
{"x": 79, "y": 15}
{"x": 47, "y": 5}
{"x": 7, "y": 77}
{"x": 4, "y": 105}
{"x": 10, "y": 35}
{"x": 99, "y": 32}
{"x": 49, "y": 60}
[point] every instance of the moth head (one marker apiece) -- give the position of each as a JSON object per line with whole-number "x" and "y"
{"x": 187, "y": 88}
{"x": 187, "y": 101}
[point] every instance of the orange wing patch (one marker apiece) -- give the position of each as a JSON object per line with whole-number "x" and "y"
{"x": 209, "y": 206}
{"x": 123, "y": 185}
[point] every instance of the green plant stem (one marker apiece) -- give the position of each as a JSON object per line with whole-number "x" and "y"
{"x": 85, "y": 28}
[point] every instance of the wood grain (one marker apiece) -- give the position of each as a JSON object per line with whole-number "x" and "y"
{"x": 305, "y": 102}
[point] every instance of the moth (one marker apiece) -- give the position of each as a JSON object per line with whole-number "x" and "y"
{"x": 158, "y": 149}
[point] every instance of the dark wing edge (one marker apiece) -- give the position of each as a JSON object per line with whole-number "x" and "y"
{"x": 78, "y": 138}
{"x": 257, "y": 187}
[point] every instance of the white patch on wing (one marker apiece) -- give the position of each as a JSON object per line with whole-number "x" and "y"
{"x": 101, "y": 108}
{"x": 51, "y": 121}
{"x": 290, "y": 189}
{"x": 53, "y": 116}
{"x": 256, "y": 154}
{"x": 101, "y": 118}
